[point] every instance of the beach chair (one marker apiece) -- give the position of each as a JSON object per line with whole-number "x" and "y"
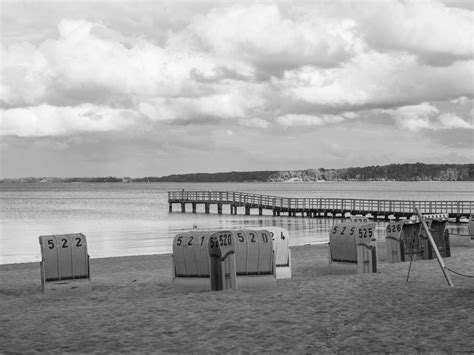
{"x": 255, "y": 259}
{"x": 403, "y": 241}
{"x": 281, "y": 248}
{"x": 440, "y": 234}
{"x": 65, "y": 263}
{"x": 354, "y": 243}
{"x": 204, "y": 261}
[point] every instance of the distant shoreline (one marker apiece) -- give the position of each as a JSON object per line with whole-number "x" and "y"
{"x": 21, "y": 181}
{"x": 392, "y": 172}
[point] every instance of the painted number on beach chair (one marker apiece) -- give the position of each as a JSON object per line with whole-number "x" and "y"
{"x": 252, "y": 237}
{"x": 221, "y": 240}
{"x": 363, "y": 233}
{"x": 272, "y": 235}
{"x": 392, "y": 228}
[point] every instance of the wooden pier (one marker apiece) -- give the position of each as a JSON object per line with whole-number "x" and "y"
{"x": 316, "y": 207}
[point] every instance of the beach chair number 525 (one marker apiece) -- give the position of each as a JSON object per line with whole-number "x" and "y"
{"x": 364, "y": 233}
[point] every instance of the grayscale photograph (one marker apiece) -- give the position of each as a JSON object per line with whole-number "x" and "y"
{"x": 249, "y": 176}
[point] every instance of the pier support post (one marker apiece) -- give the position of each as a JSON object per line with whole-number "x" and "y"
{"x": 206, "y": 208}
{"x": 194, "y": 207}
{"x": 183, "y": 207}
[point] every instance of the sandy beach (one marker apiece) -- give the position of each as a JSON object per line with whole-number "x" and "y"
{"x": 134, "y": 308}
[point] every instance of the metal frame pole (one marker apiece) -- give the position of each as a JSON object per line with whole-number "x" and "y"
{"x": 435, "y": 248}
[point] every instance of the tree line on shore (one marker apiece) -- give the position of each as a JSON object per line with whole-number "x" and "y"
{"x": 391, "y": 172}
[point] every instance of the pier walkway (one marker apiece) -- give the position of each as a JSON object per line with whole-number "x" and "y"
{"x": 316, "y": 207}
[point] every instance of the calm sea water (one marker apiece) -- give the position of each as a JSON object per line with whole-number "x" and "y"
{"x": 132, "y": 219}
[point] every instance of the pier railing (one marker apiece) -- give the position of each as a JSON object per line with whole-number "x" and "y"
{"x": 285, "y": 204}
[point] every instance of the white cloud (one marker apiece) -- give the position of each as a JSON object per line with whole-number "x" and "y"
{"x": 219, "y": 106}
{"x": 46, "y": 120}
{"x": 350, "y": 115}
{"x": 427, "y": 28}
{"x": 265, "y": 35}
{"x": 414, "y": 117}
{"x": 79, "y": 59}
{"x": 374, "y": 78}
{"x": 254, "y": 122}
{"x": 295, "y": 120}
{"x": 423, "y": 116}
{"x": 462, "y": 100}
{"x": 249, "y": 62}
{"x": 450, "y": 120}
{"x": 26, "y": 74}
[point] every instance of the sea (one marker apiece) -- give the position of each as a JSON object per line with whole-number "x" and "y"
{"x": 120, "y": 219}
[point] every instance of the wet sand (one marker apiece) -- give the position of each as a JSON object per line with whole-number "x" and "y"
{"x": 134, "y": 308}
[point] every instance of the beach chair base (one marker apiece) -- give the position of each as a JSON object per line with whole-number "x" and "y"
{"x": 192, "y": 284}
{"x": 71, "y": 286}
{"x": 256, "y": 281}
{"x": 460, "y": 240}
{"x": 283, "y": 272}
{"x": 339, "y": 266}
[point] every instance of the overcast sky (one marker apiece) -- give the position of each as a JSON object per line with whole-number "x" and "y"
{"x": 156, "y": 88}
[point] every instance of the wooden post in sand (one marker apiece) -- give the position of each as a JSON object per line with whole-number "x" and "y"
{"x": 435, "y": 248}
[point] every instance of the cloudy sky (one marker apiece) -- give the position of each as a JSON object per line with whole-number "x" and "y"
{"x": 156, "y": 88}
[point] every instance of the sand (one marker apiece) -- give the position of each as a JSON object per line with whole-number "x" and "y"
{"x": 134, "y": 308}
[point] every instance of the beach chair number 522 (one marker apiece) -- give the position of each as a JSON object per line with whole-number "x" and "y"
{"x": 51, "y": 244}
